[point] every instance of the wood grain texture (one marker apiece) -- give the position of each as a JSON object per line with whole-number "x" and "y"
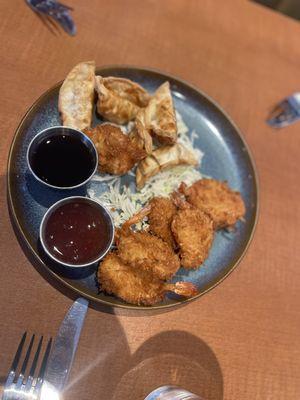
{"x": 240, "y": 341}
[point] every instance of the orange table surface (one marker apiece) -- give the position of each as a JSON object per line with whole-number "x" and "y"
{"x": 241, "y": 340}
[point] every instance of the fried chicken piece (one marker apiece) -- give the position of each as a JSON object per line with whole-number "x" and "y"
{"x": 222, "y": 204}
{"x": 160, "y": 218}
{"x": 117, "y": 153}
{"x": 137, "y": 286}
{"x": 193, "y": 232}
{"x": 144, "y": 251}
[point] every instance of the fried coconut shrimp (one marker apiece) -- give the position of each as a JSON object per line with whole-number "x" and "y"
{"x": 144, "y": 251}
{"x": 193, "y": 232}
{"x": 117, "y": 153}
{"x": 137, "y": 286}
{"x": 160, "y": 218}
{"x": 215, "y": 198}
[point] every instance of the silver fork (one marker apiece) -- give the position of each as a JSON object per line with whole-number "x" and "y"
{"x": 21, "y": 387}
{"x": 286, "y": 112}
{"x": 58, "y": 11}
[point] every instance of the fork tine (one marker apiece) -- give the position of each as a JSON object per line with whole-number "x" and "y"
{"x": 48, "y": 22}
{"x": 25, "y": 362}
{"x": 66, "y": 22}
{"x": 285, "y": 112}
{"x": 15, "y": 362}
{"x": 65, "y": 6}
{"x": 26, "y": 359}
{"x": 16, "y": 359}
{"x": 281, "y": 116}
{"x": 41, "y": 374}
{"x": 53, "y": 25}
{"x": 29, "y": 382}
{"x": 45, "y": 360}
{"x": 36, "y": 357}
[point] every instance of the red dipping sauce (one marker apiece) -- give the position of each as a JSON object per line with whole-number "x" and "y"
{"x": 77, "y": 232}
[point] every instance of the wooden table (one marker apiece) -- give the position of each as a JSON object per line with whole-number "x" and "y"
{"x": 241, "y": 340}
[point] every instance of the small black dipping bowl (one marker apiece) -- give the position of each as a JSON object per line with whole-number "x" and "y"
{"x": 77, "y": 231}
{"x": 62, "y": 157}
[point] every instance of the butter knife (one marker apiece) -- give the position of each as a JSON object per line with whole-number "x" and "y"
{"x": 63, "y": 351}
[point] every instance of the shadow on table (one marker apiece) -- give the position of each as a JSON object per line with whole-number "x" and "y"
{"x": 288, "y": 7}
{"x": 101, "y": 360}
{"x": 171, "y": 357}
{"x": 175, "y": 358}
{"x": 50, "y": 24}
{"x": 103, "y": 353}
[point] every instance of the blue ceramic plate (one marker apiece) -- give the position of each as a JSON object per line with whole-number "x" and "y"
{"x": 227, "y": 157}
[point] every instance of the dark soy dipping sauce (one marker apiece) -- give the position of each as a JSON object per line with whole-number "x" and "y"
{"x": 62, "y": 160}
{"x": 77, "y": 232}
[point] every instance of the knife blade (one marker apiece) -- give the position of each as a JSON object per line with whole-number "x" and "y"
{"x": 63, "y": 350}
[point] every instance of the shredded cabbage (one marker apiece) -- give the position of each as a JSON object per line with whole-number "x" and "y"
{"x": 124, "y": 201}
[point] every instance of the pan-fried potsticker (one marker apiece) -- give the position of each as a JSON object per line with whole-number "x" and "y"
{"x": 119, "y": 99}
{"x": 158, "y": 118}
{"x": 163, "y": 158}
{"x": 75, "y": 102}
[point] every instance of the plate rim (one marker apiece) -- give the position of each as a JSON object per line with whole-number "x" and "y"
{"x": 78, "y": 291}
